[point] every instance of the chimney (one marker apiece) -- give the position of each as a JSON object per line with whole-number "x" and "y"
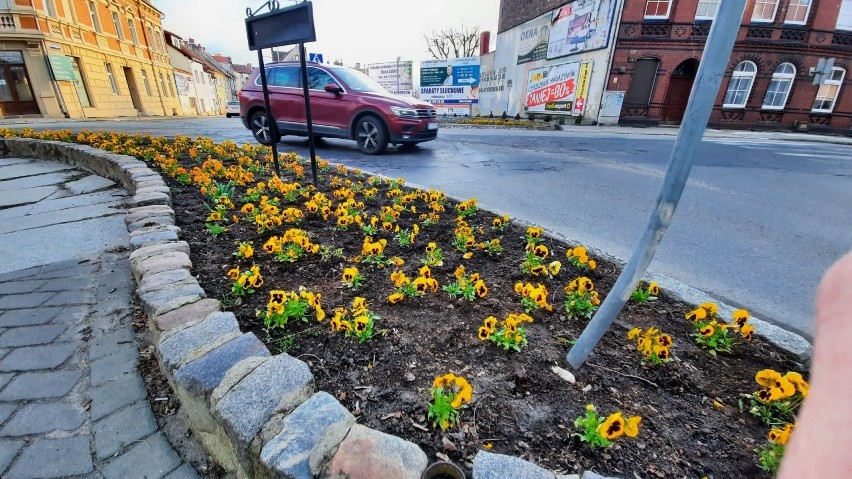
{"x": 191, "y": 41}
{"x": 484, "y": 43}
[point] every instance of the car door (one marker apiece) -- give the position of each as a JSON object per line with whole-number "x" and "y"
{"x": 286, "y": 99}
{"x": 329, "y": 111}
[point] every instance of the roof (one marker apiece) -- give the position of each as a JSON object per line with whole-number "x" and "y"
{"x": 245, "y": 69}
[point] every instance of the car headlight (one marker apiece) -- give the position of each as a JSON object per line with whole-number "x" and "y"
{"x": 404, "y": 112}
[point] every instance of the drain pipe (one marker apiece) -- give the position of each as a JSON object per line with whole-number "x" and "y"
{"x": 150, "y": 53}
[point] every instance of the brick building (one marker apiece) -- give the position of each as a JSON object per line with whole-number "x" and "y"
{"x": 84, "y": 58}
{"x": 768, "y": 84}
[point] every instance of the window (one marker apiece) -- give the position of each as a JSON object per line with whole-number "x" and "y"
{"x": 93, "y": 13}
{"x": 159, "y": 39}
{"x": 171, "y": 88}
{"x": 111, "y": 78}
{"x": 828, "y": 91}
{"x": 318, "y": 79}
{"x": 162, "y": 85}
{"x": 282, "y": 77}
{"x": 740, "y": 85}
{"x": 779, "y": 87}
{"x": 117, "y": 25}
{"x": 80, "y": 83}
{"x": 642, "y": 82}
{"x": 151, "y": 44}
{"x": 797, "y": 12}
{"x": 51, "y": 8}
{"x": 844, "y": 18}
{"x": 707, "y": 9}
{"x": 145, "y": 83}
{"x": 657, "y": 9}
{"x": 132, "y": 27}
{"x": 764, "y": 10}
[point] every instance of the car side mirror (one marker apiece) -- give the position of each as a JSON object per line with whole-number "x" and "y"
{"x": 332, "y": 88}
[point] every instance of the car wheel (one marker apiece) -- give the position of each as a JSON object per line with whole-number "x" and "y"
{"x": 370, "y": 135}
{"x": 260, "y": 129}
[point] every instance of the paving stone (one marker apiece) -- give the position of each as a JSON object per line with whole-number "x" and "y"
{"x": 367, "y": 453}
{"x": 183, "y": 472}
{"x": 67, "y": 284}
{"x": 71, "y": 298}
{"x": 166, "y": 279}
{"x": 6, "y": 410}
{"x": 111, "y": 343}
{"x": 186, "y": 314}
{"x": 281, "y": 383}
{"x": 18, "y": 287}
{"x": 179, "y": 348}
{"x": 137, "y": 461}
{"x": 89, "y": 184}
{"x": 487, "y": 465}
{"x": 308, "y": 437}
{"x": 29, "y": 317}
{"x": 155, "y": 229}
{"x": 151, "y": 221}
{"x": 154, "y": 301}
{"x": 3, "y": 352}
{"x": 115, "y": 395}
{"x": 155, "y": 237}
{"x": 37, "y": 357}
{"x": 26, "y": 300}
{"x": 31, "y": 335}
{"x": 40, "y": 385}
{"x": 594, "y": 475}
{"x": 20, "y": 274}
{"x": 5, "y": 378}
{"x": 8, "y": 450}
{"x": 144, "y": 190}
{"x": 39, "y": 418}
{"x": 114, "y": 366}
{"x": 158, "y": 249}
{"x": 201, "y": 376}
{"x": 152, "y": 199}
{"x": 83, "y": 271}
{"x": 48, "y": 458}
{"x": 116, "y": 431}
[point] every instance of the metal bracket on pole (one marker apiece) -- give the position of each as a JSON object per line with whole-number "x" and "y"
{"x": 717, "y": 51}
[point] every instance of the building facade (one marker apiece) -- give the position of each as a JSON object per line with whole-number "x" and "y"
{"x": 551, "y": 59}
{"x": 84, "y": 59}
{"x": 769, "y": 82}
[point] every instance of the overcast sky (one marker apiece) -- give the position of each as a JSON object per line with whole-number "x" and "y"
{"x": 365, "y": 31}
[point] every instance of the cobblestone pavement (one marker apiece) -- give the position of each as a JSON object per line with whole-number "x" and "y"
{"x": 72, "y": 402}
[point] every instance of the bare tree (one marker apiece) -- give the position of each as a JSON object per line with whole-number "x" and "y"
{"x": 450, "y": 42}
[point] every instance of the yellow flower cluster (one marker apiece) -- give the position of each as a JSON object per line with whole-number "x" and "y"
{"x": 580, "y": 258}
{"x": 278, "y": 313}
{"x": 406, "y": 287}
{"x": 616, "y": 425}
{"x": 291, "y": 246}
{"x": 777, "y": 387}
{"x": 373, "y": 248}
{"x": 244, "y": 250}
{"x": 463, "y": 237}
{"x": 464, "y": 391}
{"x": 535, "y": 295}
{"x": 509, "y": 327}
{"x": 500, "y": 223}
{"x": 357, "y": 320}
{"x": 652, "y": 343}
{"x": 584, "y": 286}
{"x": 245, "y": 281}
{"x": 704, "y": 318}
{"x": 781, "y": 435}
{"x": 467, "y": 208}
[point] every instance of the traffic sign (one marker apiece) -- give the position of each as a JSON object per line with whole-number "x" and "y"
{"x": 315, "y": 57}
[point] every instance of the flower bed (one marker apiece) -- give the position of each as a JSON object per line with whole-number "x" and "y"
{"x": 667, "y": 405}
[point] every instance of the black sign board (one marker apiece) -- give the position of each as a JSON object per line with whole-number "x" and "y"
{"x": 284, "y": 26}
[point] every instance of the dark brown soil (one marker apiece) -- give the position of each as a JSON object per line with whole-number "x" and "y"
{"x": 520, "y": 407}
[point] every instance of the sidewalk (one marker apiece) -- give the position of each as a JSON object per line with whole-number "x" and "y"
{"x": 72, "y": 401}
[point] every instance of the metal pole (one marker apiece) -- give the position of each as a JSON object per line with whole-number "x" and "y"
{"x": 717, "y": 51}
{"x": 270, "y": 120}
{"x": 308, "y": 112}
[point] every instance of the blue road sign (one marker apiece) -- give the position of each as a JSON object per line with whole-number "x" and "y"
{"x": 315, "y": 57}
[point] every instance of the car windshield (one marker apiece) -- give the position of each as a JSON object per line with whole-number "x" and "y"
{"x": 359, "y": 82}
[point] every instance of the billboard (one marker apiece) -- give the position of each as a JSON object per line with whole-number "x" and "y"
{"x": 533, "y": 39}
{"x": 451, "y": 85}
{"x": 553, "y": 88}
{"x": 580, "y": 26}
{"x": 395, "y": 77}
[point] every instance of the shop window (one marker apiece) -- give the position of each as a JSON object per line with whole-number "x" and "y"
{"x": 740, "y": 85}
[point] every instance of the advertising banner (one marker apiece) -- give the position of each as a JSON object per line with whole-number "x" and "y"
{"x": 394, "y": 77}
{"x": 553, "y": 88}
{"x": 451, "y": 85}
{"x": 580, "y": 26}
{"x": 582, "y": 88}
{"x": 62, "y": 69}
{"x": 180, "y": 82}
{"x": 533, "y": 39}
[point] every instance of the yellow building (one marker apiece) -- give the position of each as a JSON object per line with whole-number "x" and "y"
{"x": 84, "y": 59}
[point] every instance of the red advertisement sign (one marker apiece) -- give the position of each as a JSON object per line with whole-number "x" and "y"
{"x": 556, "y": 91}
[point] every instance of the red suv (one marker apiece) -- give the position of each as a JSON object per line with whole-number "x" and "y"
{"x": 345, "y": 103}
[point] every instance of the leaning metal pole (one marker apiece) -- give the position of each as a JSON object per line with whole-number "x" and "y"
{"x": 717, "y": 51}
{"x": 311, "y": 139}
{"x": 270, "y": 119}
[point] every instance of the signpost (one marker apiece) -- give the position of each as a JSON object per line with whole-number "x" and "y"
{"x": 61, "y": 67}
{"x": 283, "y": 26}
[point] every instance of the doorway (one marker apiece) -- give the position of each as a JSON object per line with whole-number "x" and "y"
{"x": 677, "y": 95}
{"x": 16, "y": 94}
{"x": 134, "y": 92}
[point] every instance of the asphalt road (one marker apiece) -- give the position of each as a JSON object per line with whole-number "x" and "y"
{"x": 759, "y": 222}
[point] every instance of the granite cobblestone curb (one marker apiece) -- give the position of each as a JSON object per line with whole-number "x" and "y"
{"x": 257, "y": 415}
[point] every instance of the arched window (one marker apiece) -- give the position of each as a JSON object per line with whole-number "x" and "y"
{"x": 740, "y": 85}
{"x": 828, "y": 91}
{"x": 779, "y": 87}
